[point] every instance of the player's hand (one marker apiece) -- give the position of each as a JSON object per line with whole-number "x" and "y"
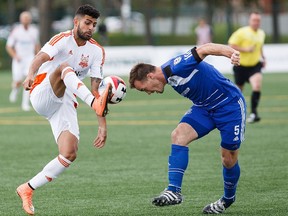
{"x": 100, "y": 140}
{"x": 235, "y": 58}
{"x": 27, "y": 84}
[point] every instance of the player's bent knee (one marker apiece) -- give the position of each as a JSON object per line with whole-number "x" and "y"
{"x": 229, "y": 158}
{"x": 228, "y": 162}
{"x": 71, "y": 156}
{"x": 63, "y": 65}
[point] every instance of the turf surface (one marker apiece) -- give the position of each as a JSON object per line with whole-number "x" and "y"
{"x": 123, "y": 177}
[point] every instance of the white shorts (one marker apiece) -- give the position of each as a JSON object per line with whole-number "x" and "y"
{"x": 20, "y": 69}
{"x": 60, "y": 112}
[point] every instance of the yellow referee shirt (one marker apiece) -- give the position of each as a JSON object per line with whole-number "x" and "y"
{"x": 247, "y": 37}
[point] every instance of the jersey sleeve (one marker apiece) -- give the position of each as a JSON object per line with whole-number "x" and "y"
{"x": 11, "y": 38}
{"x": 54, "y": 45}
{"x": 183, "y": 63}
{"x": 96, "y": 69}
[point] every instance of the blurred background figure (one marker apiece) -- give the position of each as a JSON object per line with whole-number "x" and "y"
{"x": 203, "y": 32}
{"x": 103, "y": 34}
{"x": 249, "y": 41}
{"x": 22, "y": 45}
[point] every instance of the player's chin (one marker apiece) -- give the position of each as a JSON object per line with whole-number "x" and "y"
{"x": 87, "y": 36}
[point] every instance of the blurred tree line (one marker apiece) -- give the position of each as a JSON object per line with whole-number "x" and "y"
{"x": 46, "y": 11}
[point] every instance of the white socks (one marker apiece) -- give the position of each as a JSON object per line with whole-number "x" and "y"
{"x": 52, "y": 170}
{"x": 74, "y": 84}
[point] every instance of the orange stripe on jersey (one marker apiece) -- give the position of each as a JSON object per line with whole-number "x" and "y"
{"x": 64, "y": 163}
{"x": 92, "y": 41}
{"x": 58, "y": 37}
{"x": 38, "y": 79}
{"x": 55, "y": 39}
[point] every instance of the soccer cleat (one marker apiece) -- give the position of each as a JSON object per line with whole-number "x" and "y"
{"x": 26, "y": 193}
{"x": 100, "y": 103}
{"x": 167, "y": 198}
{"x": 253, "y": 118}
{"x": 217, "y": 207}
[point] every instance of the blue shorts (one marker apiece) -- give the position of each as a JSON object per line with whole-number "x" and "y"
{"x": 229, "y": 120}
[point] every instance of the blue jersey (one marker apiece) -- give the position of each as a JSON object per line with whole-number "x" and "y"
{"x": 199, "y": 81}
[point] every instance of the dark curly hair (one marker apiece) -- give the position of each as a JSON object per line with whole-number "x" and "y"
{"x": 87, "y": 10}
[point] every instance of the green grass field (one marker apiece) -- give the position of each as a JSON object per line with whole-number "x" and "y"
{"x": 123, "y": 177}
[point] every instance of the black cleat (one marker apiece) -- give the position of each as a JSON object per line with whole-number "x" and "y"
{"x": 217, "y": 207}
{"x": 167, "y": 198}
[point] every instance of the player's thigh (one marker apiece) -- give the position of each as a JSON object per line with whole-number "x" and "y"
{"x": 17, "y": 71}
{"x": 256, "y": 81}
{"x": 65, "y": 119}
{"x": 230, "y": 121}
{"x": 183, "y": 134}
{"x": 200, "y": 120}
{"x": 44, "y": 101}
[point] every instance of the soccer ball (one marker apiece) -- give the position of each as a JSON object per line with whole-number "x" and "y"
{"x": 118, "y": 88}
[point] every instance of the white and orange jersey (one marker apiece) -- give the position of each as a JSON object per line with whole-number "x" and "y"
{"x": 24, "y": 41}
{"x": 63, "y": 48}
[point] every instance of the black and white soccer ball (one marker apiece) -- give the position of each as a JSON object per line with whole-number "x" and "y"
{"x": 118, "y": 88}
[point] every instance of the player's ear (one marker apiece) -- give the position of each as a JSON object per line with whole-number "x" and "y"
{"x": 76, "y": 20}
{"x": 150, "y": 75}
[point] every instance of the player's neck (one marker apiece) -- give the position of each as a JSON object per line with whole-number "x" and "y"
{"x": 79, "y": 41}
{"x": 26, "y": 27}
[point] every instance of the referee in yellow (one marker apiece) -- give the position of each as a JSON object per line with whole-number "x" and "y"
{"x": 249, "y": 41}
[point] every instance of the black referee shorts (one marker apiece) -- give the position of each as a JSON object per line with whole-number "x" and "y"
{"x": 243, "y": 73}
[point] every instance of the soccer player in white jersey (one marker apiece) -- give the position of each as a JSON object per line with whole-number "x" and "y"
{"x": 217, "y": 103}
{"x": 61, "y": 65}
{"x": 22, "y": 45}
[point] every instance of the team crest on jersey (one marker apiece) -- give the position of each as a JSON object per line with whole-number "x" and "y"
{"x": 177, "y": 60}
{"x": 84, "y": 61}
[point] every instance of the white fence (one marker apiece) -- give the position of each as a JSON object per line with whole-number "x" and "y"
{"x": 120, "y": 60}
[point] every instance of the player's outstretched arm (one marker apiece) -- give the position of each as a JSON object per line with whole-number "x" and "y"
{"x": 219, "y": 50}
{"x": 38, "y": 60}
{"x": 100, "y": 140}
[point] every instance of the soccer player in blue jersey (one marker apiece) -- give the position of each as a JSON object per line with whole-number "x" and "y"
{"x": 217, "y": 103}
